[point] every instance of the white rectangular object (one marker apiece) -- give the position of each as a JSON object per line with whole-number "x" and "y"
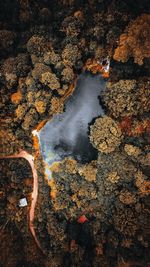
{"x": 23, "y": 202}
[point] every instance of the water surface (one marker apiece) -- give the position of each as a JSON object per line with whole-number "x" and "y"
{"x": 67, "y": 133}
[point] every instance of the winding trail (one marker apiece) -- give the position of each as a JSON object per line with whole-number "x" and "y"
{"x": 30, "y": 159}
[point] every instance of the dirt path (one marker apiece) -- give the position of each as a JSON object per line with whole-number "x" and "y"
{"x": 30, "y": 159}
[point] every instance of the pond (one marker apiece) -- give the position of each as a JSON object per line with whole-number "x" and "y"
{"x": 66, "y": 134}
